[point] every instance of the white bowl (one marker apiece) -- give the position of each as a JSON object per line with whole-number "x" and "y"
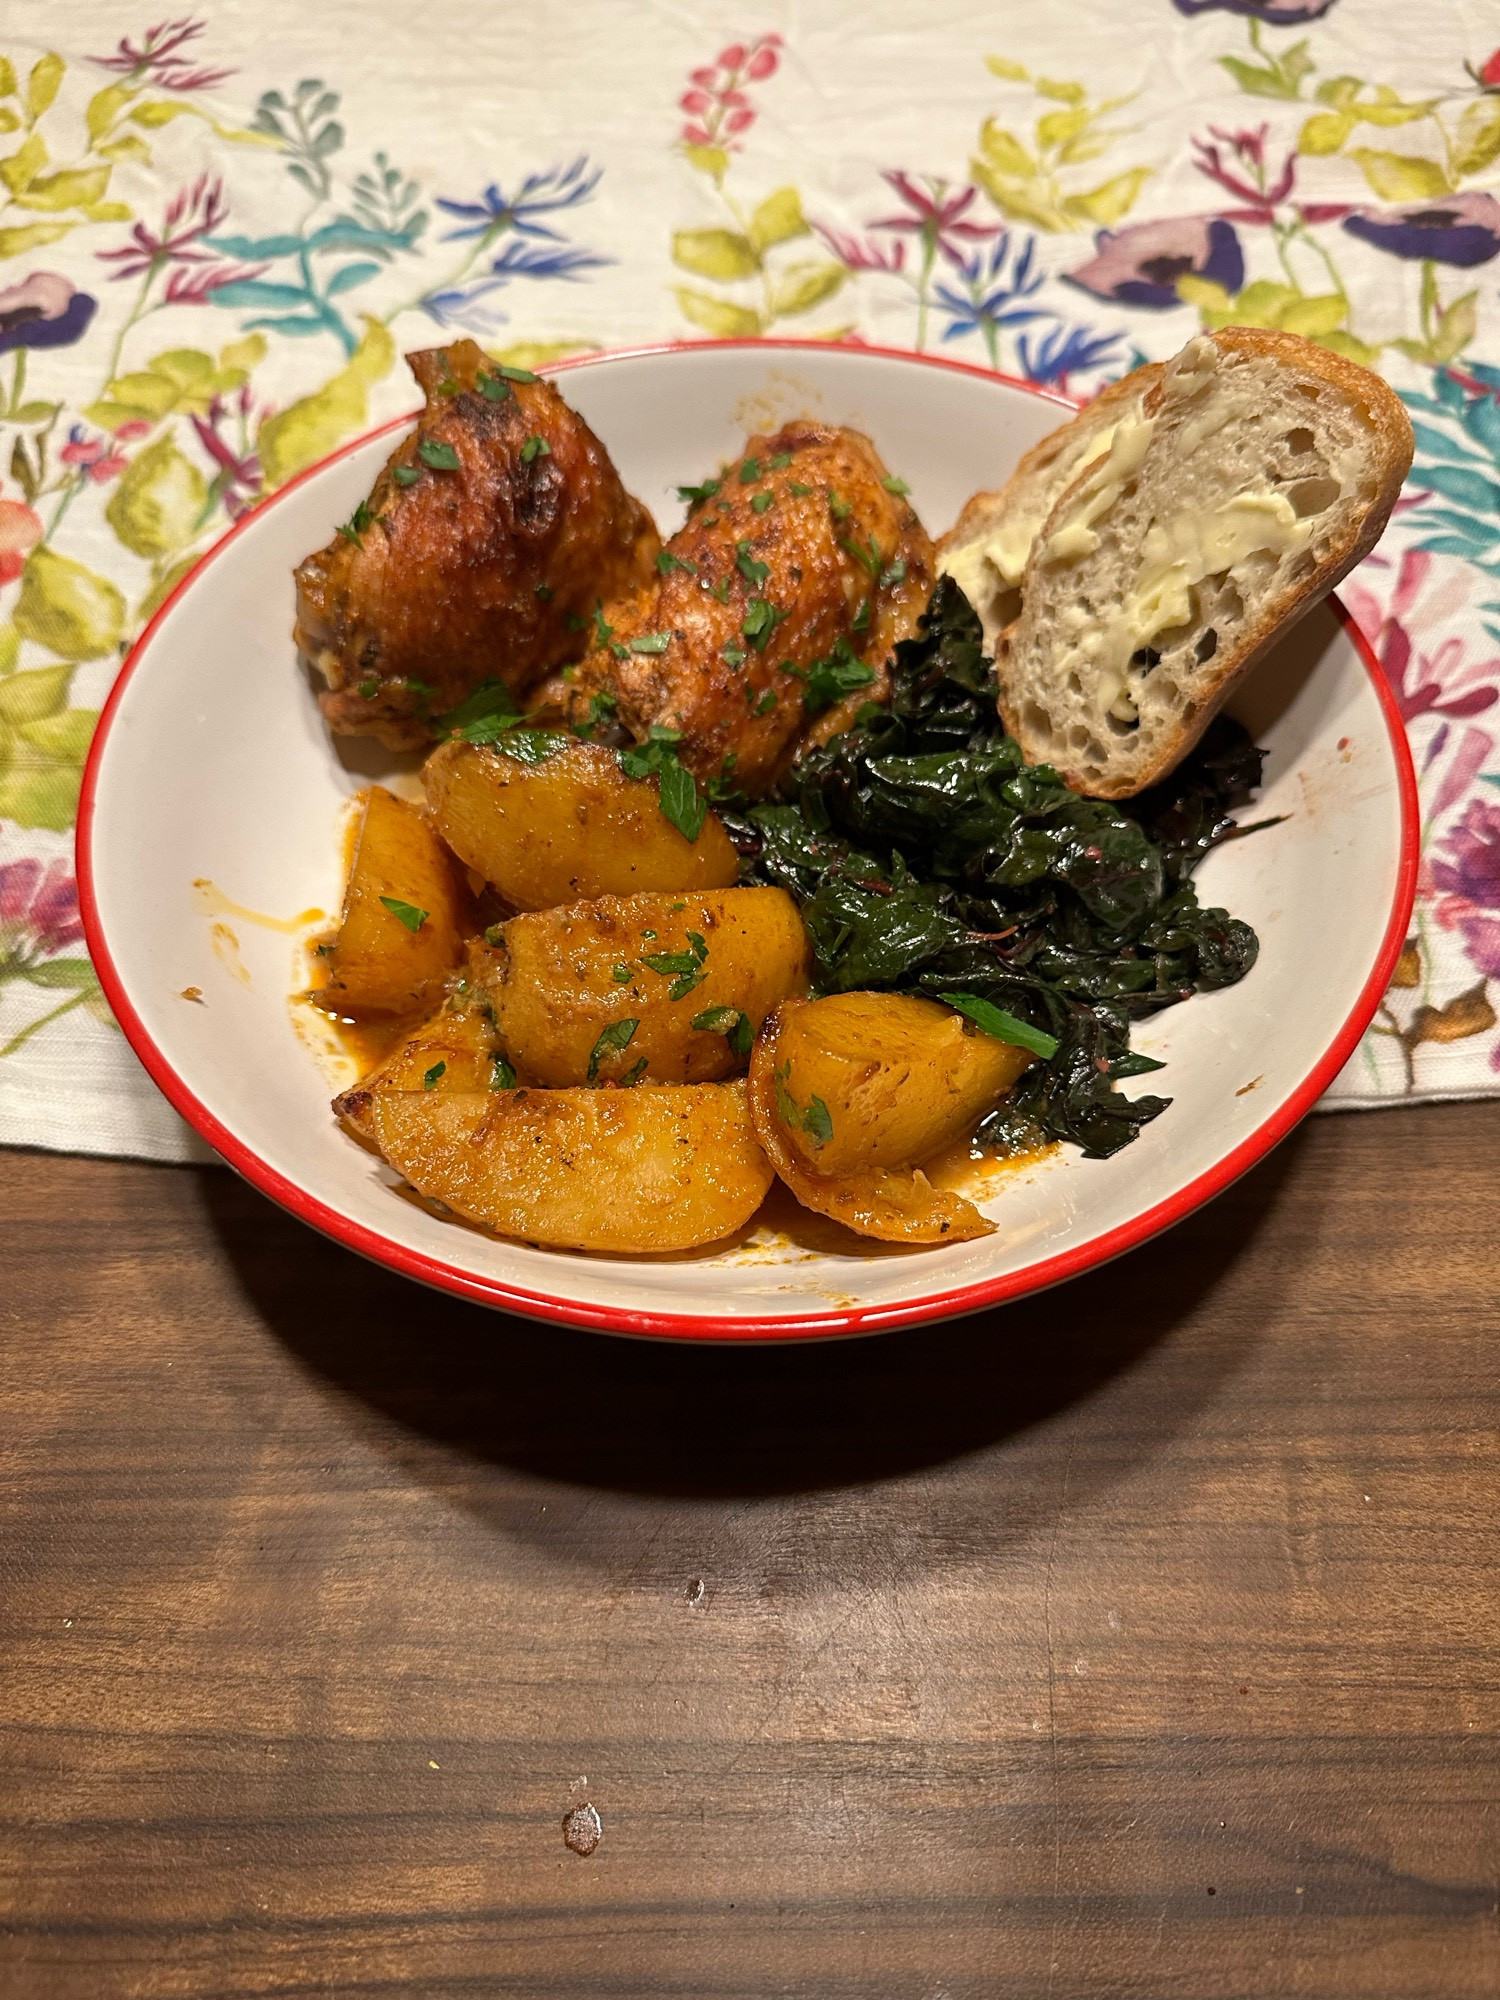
{"x": 213, "y": 764}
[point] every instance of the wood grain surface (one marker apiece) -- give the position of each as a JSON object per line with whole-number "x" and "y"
{"x": 1139, "y": 1639}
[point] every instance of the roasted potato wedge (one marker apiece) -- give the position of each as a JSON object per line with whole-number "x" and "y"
{"x": 568, "y": 828}
{"x": 896, "y": 1204}
{"x": 668, "y": 987}
{"x": 897, "y": 1079}
{"x": 455, "y": 1050}
{"x": 404, "y": 911}
{"x": 635, "y": 1172}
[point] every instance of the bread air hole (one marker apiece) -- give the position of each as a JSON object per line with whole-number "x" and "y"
{"x": 1299, "y": 441}
{"x": 1313, "y": 496}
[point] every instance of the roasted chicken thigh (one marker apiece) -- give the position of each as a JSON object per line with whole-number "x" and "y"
{"x": 489, "y": 536}
{"x": 772, "y": 614}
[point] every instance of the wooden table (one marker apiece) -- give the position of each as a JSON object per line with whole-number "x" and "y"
{"x": 1140, "y": 1639}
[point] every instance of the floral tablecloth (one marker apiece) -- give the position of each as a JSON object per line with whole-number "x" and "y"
{"x": 220, "y": 231}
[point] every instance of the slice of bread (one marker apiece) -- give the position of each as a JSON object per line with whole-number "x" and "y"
{"x": 985, "y": 550}
{"x": 1254, "y": 473}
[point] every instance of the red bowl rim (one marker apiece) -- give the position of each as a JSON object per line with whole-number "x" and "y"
{"x": 708, "y": 1326}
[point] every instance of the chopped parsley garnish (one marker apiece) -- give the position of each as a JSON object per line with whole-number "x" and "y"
{"x": 749, "y": 471}
{"x": 529, "y": 746}
{"x": 815, "y": 1121}
{"x": 651, "y": 642}
{"x": 861, "y": 618}
{"x": 666, "y": 562}
{"x": 502, "y": 1076}
{"x": 492, "y": 386}
{"x": 735, "y": 656}
{"x": 516, "y": 374}
{"x": 368, "y": 689}
{"x": 622, "y": 975}
{"x": 760, "y": 621}
{"x": 894, "y": 575}
{"x": 870, "y": 558}
{"x": 736, "y": 1027}
{"x": 405, "y": 913}
{"x": 614, "y": 1040}
{"x": 604, "y": 632}
{"x": 759, "y": 502}
{"x": 353, "y": 529}
{"x": 780, "y": 462}
{"x": 406, "y": 475}
{"x": 1004, "y": 1027}
{"x": 482, "y": 716}
{"x": 431, "y": 1079}
{"x": 542, "y": 592}
{"x": 838, "y": 506}
{"x": 494, "y": 934}
{"x": 602, "y": 707}
{"x": 766, "y": 703}
{"x": 634, "y": 1074}
{"x": 831, "y": 678}
{"x": 440, "y": 456}
{"x": 897, "y": 486}
{"x": 535, "y": 447}
{"x": 720, "y": 590}
{"x": 693, "y": 495}
{"x": 667, "y": 964}
{"x": 749, "y": 568}
{"x": 657, "y": 757}
{"x": 802, "y": 492}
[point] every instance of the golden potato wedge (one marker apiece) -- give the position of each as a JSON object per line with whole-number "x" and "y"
{"x": 565, "y": 829}
{"x": 668, "y": 987}
{"x": 635, "y": 1172}
{"x": 404, "y": 911}
{"x": 454, "y": 1050}
{"x": 896, "y": 1204}
{"x": 897, "y": 1079}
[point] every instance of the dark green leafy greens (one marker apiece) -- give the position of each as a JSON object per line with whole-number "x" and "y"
{"x": 928, "y": 858}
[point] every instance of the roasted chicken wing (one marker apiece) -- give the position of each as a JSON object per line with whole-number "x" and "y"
{"x": 773, "y": 612}
{"x": 492, "y": 531}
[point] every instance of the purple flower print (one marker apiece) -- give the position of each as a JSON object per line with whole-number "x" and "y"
{"x": 1140, "y": 266}
{"x": 1467, "y": 869}
{"x": 1463, "y": 229}
{"x": 44, "y": 310}
{"x": 1241, "y": 170}
{"x": 38, "y": 914}
{"x": 1275, "y": 13}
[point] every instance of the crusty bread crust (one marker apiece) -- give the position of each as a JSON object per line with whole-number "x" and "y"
{"x": 1387, "y": 436}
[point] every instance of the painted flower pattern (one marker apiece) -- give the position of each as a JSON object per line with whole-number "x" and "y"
{"x": 44, "y": 310}
{"x": 208, "y": 272}
{"x": 1467, "y": 870}
{"x": 1463, "y": 230}
{"x": 1143, "y": 265}
{"x": 1275, "y": 13}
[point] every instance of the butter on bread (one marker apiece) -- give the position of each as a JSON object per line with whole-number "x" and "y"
{"x": 1253, "y": 473}
{"x": 985, "y": 550}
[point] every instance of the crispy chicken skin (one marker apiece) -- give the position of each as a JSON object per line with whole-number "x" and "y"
{"x": 455, "y": 574}
{"x": 801, "y": 544}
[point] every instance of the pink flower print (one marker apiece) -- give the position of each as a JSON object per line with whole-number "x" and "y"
{"x": 38, "y": 913}
{"x": 936, "y": 216}
{"x": 192, "y": 215}
{"x": 20, "y": 531}
{"x": 1442, "y": 682}
{"x": 158, "y": 59}
{"x": 95, "y": 457}
{"x": 1241, "y": 170}
{"x": 719, "y": 111}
